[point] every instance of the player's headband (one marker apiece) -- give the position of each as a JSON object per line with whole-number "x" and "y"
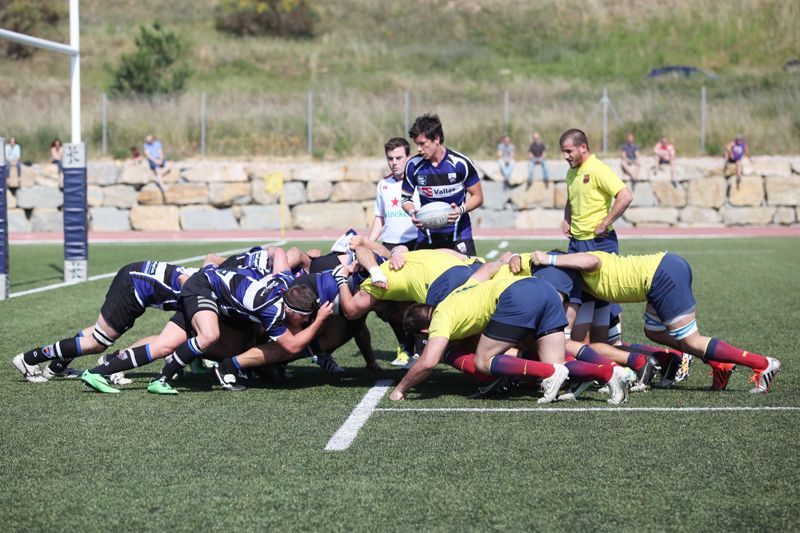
{"x": 300, "y": 311}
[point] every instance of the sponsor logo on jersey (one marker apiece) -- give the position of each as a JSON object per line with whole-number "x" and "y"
{"x": 442, "y": 191}
{"x": 452, "y": 177}
{"x": 422, "y": 180}
{"x": 586, "y": 178}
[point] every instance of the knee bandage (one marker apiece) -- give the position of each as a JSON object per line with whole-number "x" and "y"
{"x": 615, "y": 334}
{"x": 684, "y": 331}
{"x": 101, "y": 336}
{"x": 653, "y": 323}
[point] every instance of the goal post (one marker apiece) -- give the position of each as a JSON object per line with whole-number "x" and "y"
{"x": 76, "y": 249}
{"x": 3, "y": 224}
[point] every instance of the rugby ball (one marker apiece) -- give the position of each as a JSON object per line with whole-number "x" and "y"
{"x": 434, "y": 214}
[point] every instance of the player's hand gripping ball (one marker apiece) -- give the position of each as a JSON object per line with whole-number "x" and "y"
{"x": 434, "y": 215}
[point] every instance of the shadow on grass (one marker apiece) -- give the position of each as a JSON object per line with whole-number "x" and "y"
{"x": 56, "y": 277}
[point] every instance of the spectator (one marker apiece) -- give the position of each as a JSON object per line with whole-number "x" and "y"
{"x": 13, "y": 155}
{"x": 136, "y": 155}
{"x": 630, "y": 158}
{"x": 154, "y": 153}
{"x": 505, "y": 153}
{"x": 666, "y": 155}
{"x": 735, "y": 151}
{"x": 57, "y": 156}
{"x": 538, "y": 154}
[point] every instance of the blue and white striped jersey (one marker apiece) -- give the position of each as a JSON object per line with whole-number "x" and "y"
{"x": 446, "y": 182}
{"x": 155, "y": 284}
{"x": 255, "y": 263}
{"x": 258, "y": 300}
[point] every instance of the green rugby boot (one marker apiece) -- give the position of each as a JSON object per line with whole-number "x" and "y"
{"x": 160, "y": 386}
{"x": 98, "y": 383}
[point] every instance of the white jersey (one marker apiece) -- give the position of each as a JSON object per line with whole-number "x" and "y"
{"x": 397, "y": 225}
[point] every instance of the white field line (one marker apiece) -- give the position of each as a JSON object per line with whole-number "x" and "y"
{"x": 544, "y": 409}
{"x": 492, "y": 254}
{"x": 345, "y": 435}
{"x": 112, "y": 274}
{"x": 503, "y": 245}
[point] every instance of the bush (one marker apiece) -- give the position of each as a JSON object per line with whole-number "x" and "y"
{"x": 27, "y": 16}
{"x": 157, "y": 66}
{"x": 282, "y": 18}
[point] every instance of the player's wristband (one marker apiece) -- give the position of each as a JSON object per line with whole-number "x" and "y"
{"x": 513, "y": 256}
{"x": 552, "y": 260}
{"x": 463, "y": 209}
{"x": 376, "y": 274}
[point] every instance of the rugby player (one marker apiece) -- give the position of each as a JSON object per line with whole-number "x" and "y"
{"x": 411, "y": 283}
{"x": 135, "y": 287}
{"x": 664, "y": 281}
{"x": 440, "y": 174}
{"x": 505, "y": 312}
{"x": 195, "y": 327}
{"x": 336, "y": 332}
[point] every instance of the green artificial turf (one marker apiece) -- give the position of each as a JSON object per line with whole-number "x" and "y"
{"x": 75, "y": 460}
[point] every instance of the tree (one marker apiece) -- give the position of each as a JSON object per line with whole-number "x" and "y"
{"x": 157, "y": 66}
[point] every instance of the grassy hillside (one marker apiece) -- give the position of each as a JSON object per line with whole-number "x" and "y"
{"x": 456, "y": 58}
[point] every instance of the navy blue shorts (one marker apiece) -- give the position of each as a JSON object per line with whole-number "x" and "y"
{"x": 567, "y": 281}
{"x": 448, "y": 281}
{"x": 671, "y": 290}
{"x": 529, "y": 305}
{"x": 609, "y": 244}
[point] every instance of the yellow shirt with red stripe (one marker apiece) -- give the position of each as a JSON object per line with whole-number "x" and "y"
{"x": 468, "y": 309}
{"x": 591, "y": 188}
{"x": 622, "y": 278}
{"x": 410, "y": 283}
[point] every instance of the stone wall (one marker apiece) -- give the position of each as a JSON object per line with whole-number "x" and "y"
{"x": 226, "y": 195}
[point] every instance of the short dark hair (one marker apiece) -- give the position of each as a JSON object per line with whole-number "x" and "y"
{"x": 428, "y": 125}
{"x": 578, "y": 137}
{"x": 301, "y": 298}
{"x": 416, "y": 318}
{"x": 396, "y": 142}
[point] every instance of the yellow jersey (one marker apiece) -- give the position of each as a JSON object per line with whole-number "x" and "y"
{"x": 591, "y": 188}
{"x": 410, "y": 283}
{"x": 622, "y": 278}
{"x": 468, "y": 309}
{"x": 505, "y": 272}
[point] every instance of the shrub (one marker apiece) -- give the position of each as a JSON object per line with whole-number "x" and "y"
{"x": 282, "y": 18}
{"x": 27, "y": 16}
{"x": 157, "y": 66}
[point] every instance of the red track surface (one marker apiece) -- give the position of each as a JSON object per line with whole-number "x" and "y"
{"x": 133, "y": 236}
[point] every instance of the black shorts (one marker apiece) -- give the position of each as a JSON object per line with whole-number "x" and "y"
{"x": 324, "y": 262}
{"x": 464, "y": 246}
{"x": 121, "y": 308}
{"x": 196, "y": 295}
{"x": 408, "y": 244}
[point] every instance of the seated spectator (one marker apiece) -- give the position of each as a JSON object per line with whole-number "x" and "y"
{"x": 13, "y": 155}
{"x": 505, "y": 153}
{"x": 136, "y": 155}
{"x": 537, "y": 152}
{"x": 666, "y": 155}
{"x": 630, "y": 158}
{"x": 57, "y": 156}
{"x": 735, "y": 151}
{"x": 154, "y": 152}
